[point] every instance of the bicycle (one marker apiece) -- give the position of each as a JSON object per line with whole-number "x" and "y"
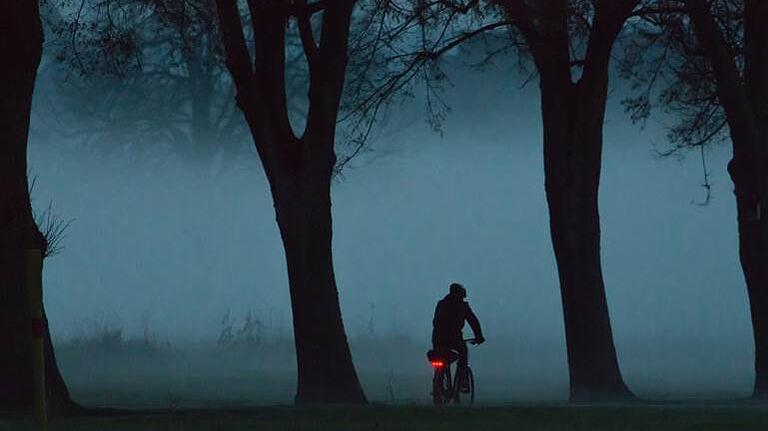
{"x": 444, "y": 388}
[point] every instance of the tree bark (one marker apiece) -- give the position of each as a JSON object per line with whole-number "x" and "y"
{"x": 572, "y": 159}
{"x": 21, "y": 41}
{"x": 753, "y": 253}
{"x": 753, "y": 234}
{"x": 573, "y": 114}
{"x": 744, "y": 97}
{"x": 325, "y": 370}
{"x": 299, "y": 170}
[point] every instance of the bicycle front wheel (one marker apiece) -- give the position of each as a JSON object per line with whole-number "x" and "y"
{"x": 471, "y": 384}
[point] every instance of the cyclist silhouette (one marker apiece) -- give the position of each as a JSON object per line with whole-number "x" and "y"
{"x": 450, "y": 314}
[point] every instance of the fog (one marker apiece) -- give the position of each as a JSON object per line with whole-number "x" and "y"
{"x": 162, "y": 248}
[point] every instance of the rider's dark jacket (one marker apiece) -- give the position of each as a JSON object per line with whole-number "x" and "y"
{"x": 450, "y": 314}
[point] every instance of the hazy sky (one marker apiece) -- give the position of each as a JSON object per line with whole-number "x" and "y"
{"x": 174, "y": 249}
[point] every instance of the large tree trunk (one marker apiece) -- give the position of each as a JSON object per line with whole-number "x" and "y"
{"x": 572, "y": 161}
{"x": 299, "y": 172}
{"x": 753, "y": 231}
{"x": 21, "y": 41}
{"x": 753, "y": 251}
{"x": 573, "y": 115}
{"x": 325, "y": 370}
{"x": 744, "y": 97}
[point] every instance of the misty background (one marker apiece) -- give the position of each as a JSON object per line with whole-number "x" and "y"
{"x": 163, "y": 247}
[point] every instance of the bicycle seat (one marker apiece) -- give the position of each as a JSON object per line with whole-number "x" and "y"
{"x": 446, "y": 355}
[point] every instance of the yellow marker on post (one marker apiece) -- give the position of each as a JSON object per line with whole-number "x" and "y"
{"x": 34, "y": 259}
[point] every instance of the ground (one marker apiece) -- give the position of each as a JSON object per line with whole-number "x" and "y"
{"x": 700, "y": 417}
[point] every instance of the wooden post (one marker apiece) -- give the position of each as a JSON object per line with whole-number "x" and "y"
{"x": 34, "y": 279}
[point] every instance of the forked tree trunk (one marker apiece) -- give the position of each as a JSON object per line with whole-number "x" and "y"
{"x": 20, "y": 51}
{"x": 572, "y": 116}
{"x": 299, "y": 172}
{"x": 572, "y": 160}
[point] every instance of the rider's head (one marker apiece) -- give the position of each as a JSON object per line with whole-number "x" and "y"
{"x": 458, "y": 290}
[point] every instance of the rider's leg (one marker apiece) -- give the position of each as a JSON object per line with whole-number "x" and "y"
{"x": 463, "y": 362}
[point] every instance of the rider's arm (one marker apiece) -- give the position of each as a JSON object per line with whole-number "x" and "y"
{"x": 474, "y": 323}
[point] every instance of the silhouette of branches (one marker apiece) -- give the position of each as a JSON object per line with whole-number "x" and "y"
{"x": 52, "y": 225}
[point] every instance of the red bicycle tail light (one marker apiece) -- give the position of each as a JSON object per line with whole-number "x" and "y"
{"x": 437, "y": 364}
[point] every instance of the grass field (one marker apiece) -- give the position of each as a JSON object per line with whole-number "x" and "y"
{"x": 209, "y": 385}
{"x": 509, "y": 418}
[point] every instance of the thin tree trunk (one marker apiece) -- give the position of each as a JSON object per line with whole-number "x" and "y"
{"x": 20, "y": 51}
{"x": 572, "y": 159}
{"x": 325, "y": 370}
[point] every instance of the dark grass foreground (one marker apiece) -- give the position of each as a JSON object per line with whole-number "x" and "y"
{"x": 592, "y": 418}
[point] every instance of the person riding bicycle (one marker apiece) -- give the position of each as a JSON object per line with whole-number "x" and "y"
{"x": 450, "y": 314}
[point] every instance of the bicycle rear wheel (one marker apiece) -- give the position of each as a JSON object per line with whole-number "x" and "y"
{"x": 441, "y": 386}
